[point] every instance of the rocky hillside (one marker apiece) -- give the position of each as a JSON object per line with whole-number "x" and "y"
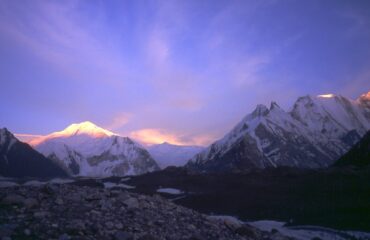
{"x": 74, "y": 212}
{"x": 315, "y": 133}
{"x": 359, "y": 155}
{"x": 18, "y": 159}
{"x": 85, "y": 149}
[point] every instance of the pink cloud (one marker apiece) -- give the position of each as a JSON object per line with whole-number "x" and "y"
{"x": 27, "y": 138}
{"x": 119, "y": 121}
{"x": 151, "y": 136}
{"x": 56, "y": 36}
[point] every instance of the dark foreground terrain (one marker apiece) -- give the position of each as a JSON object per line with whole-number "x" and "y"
{"x": 66, "y": 211}
{"x": 131, "y": 207}
{"x": 336, "y": 198}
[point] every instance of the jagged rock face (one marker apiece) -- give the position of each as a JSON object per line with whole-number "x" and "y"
{"x": 315, "y": 133}
{"x": 18, "y": 159}
{"x": 87, "y": 150}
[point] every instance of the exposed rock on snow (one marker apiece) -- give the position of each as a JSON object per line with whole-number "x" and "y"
{"x": 87, "y": 150}
{"x": 316, "y": 132}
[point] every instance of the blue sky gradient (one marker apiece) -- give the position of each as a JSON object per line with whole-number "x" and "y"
{"x": 177, "y": 71}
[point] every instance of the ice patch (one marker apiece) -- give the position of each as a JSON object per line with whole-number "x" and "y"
{"x": 173, "y": 191}
{"x": 61, "y": 180}
{"x": 8, "y": 184}
{"x": 5, "y": 178}
{"x": 119, "y": 185}
{"x": 125, "y": 179}
{"x": 308, "y": 232}
{"x": 34, "y": 183}
{"x": 230, "y": 219}
{"x": 298, "y": 232}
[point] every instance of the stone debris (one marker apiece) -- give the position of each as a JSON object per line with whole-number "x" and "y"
{"x": 66, "y": 212}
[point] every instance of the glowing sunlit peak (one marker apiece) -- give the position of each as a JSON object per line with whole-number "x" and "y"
{"x": 83, "y": 128}
{"x": 87, "y": 128}
{"x": 365, "y": 96}
{"x": 326, "y": 96}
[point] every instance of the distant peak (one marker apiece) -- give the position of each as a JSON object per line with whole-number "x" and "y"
{"x": 84, "y": 128}
{"x": 5, "y": 135}
{"x": 86, "y": 124}
{"x": 261, "y": 110}
{"x": 4, "y": 130}
{"x": 87, "y": 128}
{"x": 82, "y": 125}
{"x": 330, "y": 95}
{"x": 364, "y": 99}
{"x": 305, "y": 98}
{"x": 274, "y": 105}
{"x": 365, "y": 96}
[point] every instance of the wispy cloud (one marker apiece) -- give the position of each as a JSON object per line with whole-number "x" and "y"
{"x": 60, "y": 38}
{"x": 26, "y": 137}
{"x": 158, "y": 49}
{"x": 246, "y": 72}
{"x": 174, "y": 69}
{"x": 151, "y": 136}
{"x": 119, "y": 121}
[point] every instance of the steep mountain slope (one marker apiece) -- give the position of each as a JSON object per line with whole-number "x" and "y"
{"x": 87, "y": 150}
{"x": 18, "y": 159}
{"x": 359, "y": 155}
{"x": 172, "y": 155}
{"x": 316, "y": 132}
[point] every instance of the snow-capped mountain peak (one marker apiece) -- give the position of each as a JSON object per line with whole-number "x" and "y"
{"x": 261, "y": 110}
{"x": 364, "y": 100}
{"x": 314, "y": 133}
{"x": 366, "y": 96}
{"x": 88, "y": 150}
{"x": 7, "y": 137}
{"x": 274, "y": 105}
{"x": 86, "y": 128}
{"x": 330, "y": 95}
{"x": 167, "y": 154}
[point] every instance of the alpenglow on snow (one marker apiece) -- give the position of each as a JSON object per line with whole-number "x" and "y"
{"x": 315, "y": 133}
{"x": 85, "y": 149}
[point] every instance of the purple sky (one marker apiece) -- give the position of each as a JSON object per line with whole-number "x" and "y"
{"x": 181, "y": 71}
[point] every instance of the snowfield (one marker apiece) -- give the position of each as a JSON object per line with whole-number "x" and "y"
{"x": 299, "y": 232}
{"x": 173, "y": 191}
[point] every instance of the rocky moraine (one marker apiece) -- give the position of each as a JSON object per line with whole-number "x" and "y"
{"x": 66, "y": 211}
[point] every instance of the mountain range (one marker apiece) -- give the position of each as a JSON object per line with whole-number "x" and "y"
{"x": 85, "y": 149}
{"x": 313, "y": 134}
{"x": 18, "y": 159}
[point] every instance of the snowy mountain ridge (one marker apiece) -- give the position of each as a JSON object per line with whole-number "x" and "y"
{"x": 167, "y": 154}
{"x": 314, "y": 133}
{"x": 87, "y": 150}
